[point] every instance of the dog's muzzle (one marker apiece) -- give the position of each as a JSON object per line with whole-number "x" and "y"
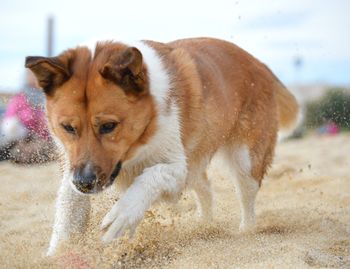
{"x": 86, "y": 179}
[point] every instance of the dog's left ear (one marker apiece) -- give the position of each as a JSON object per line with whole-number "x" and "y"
{"x": 50, "y": 72}
{"x": 126, "y": 70}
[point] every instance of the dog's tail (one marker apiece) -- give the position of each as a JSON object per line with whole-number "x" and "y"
{"x": 288, "y": 110}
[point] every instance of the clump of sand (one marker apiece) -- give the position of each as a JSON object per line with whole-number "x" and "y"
{"x": 303, "y": 219}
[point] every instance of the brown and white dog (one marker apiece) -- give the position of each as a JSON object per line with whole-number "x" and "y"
{"x": 154, "y": 115}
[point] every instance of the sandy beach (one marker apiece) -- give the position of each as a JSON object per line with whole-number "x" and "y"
{"x": 303, "y": 219}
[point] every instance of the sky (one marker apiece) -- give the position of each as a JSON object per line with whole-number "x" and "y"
{"x": 278, "y": 32}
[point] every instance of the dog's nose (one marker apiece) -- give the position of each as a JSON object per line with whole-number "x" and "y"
{"x": 84, "y": 178}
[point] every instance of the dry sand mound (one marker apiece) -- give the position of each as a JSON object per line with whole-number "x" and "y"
{"x": 303, "y": 219}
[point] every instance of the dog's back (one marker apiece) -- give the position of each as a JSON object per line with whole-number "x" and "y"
{"x": 229, "y": 98}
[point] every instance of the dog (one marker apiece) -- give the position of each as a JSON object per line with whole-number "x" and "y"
{"x": 152, "y": 116}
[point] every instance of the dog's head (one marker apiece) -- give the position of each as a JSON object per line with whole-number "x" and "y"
{"x": 99, "y": 108}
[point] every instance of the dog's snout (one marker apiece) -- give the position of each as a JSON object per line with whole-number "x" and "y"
{"x": 85, "y": 178}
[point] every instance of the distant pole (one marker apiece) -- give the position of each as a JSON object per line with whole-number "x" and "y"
{"x": 50, "y": 33}
{"x": 298, "y": 64}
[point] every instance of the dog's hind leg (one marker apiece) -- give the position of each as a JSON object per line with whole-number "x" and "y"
{"x": 198, "y": 181}
{"x": 238, "y": 161}
{"x": 72, "y": 211}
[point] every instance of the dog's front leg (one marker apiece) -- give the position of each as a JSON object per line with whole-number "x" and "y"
{"x": 72, "y": 211}
{"x": 146, "y": 189}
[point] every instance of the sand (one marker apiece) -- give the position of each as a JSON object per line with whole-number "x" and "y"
{"x": 303, "y": 219}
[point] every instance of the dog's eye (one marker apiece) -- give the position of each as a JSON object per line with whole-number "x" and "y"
{"x": 107, "y": 127}
{"x": 69, "y": 128}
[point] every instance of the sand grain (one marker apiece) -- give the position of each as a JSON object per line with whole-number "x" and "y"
{"x": 303, "y": 219}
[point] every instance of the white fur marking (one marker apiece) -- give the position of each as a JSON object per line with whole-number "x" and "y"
{"x": 91, "y": 45}
{"x": 238, "y": 164}
{"x": 198, "y": 181}
{"x": 246, "y": 187}
{"x": 166, "y": 143}
{"x": 242, "y": 159}
{"x": 158, "y": 76}
{"x": 72, "y": 210}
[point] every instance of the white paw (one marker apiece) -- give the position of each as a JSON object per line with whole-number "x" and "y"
{"x": 119, "y": 220}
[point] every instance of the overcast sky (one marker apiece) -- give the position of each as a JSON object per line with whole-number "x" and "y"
{"x": 276, "y": 32}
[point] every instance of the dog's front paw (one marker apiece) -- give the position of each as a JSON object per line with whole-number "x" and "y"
{"x": 119, "y": 220}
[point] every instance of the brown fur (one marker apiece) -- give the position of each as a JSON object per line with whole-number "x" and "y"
{"x": 225, "y": 96}
{"x": 229, "y": 98}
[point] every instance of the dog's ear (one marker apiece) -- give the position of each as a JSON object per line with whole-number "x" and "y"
{"x": 50, "y": 72}
{"x": 126, "y": 70}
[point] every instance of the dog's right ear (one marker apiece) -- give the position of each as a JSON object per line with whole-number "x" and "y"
{"x": 50, "y": 72}
{"x": 126, "y": 69}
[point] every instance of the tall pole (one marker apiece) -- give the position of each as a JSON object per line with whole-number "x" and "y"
{"x": 298, "y": 64}
{"x": 50, "y": 32}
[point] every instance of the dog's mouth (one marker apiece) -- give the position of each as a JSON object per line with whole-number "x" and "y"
{"x": 114, "y": 175}
{"x": 97, "y": 185}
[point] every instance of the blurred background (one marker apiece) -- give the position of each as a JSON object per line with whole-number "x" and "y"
{"x": 306, "y": 43}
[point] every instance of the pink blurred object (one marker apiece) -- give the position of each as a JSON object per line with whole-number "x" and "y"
{"x": 33, "y": 119}
{"x": 332, "y": 128}
{"x": 74, "y": 260}
{"x": 329, "y": 128}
